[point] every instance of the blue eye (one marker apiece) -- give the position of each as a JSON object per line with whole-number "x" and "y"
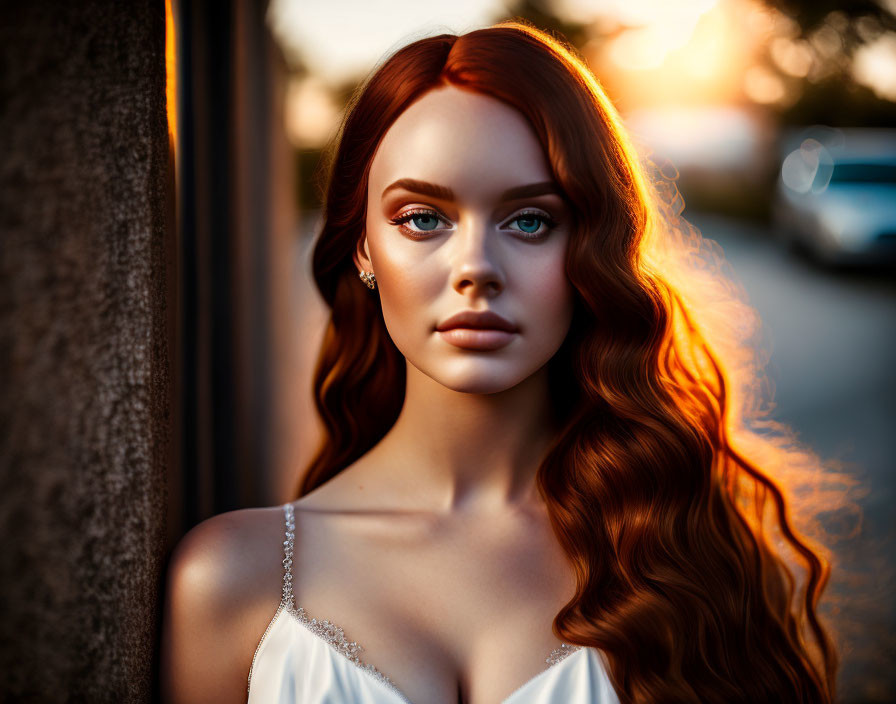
{"x": 423, "y": 220}
{"x": 530, "y": 223}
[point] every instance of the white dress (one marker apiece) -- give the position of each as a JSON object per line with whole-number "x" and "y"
{"x": 301, "y": 660}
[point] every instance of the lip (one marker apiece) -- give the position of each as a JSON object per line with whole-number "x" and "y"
{"x": 477, "y": 330}
{"x": 477, "y": 320}
{"x": 473, "y": 339}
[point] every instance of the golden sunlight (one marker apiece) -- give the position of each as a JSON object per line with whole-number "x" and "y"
{"x": 170, "y": 72}
{"x": 668, "y": 28}
{"x": 875, "y": 66}
{"x": 693, "y": 54}
{"x": 311, "y": 113}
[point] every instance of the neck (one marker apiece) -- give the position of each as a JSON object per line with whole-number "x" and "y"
{"x": 454, "y": 451}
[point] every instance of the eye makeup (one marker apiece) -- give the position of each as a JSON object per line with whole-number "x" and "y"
{"x": 427, "y": 215}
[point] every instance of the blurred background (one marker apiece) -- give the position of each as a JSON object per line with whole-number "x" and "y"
{"x": 779, "y": 117}
{"x": 159, "y": 325}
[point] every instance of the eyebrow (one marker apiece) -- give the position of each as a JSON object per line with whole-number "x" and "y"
{"x": 444, "y": 193}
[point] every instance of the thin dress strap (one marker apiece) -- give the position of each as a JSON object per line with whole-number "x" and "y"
{"x": 289, "y": 599}
{"x": 333, "y": 634}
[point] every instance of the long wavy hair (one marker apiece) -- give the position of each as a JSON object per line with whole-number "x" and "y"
{"x": 692, "y": 577}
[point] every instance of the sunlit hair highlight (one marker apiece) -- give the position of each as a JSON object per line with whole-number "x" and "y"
{"x": 666, "y": 485}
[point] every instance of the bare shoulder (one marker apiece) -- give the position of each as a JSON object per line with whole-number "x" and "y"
{"x": 222, "y": 588}
{"x": 229, "y": 556}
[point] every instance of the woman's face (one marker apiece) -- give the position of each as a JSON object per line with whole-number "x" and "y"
{"x": 463, "y": 215}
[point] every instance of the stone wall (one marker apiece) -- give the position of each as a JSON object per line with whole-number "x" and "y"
{"x": 86, "y": 320}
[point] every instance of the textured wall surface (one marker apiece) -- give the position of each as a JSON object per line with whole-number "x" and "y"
{"x": 85, "y": 323}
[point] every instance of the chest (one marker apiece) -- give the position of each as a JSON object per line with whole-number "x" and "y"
{"x": 301, "y": 661}
{"x": 458, "y": 612}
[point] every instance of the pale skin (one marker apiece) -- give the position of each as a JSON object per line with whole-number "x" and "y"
{"x": 433, "y": 550}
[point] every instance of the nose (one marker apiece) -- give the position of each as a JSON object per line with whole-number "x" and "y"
{"x": 476, "y": 269}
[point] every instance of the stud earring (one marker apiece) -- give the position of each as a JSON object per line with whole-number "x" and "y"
{"x": 368, "y": 278}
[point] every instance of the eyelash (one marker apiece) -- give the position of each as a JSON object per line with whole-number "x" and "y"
{"x": 416, "y": 234}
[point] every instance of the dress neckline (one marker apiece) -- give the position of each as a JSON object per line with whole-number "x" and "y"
{"x": 334, "y": 636}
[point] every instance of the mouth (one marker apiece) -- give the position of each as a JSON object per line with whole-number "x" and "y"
{"x": 477, "y": 330}
{"x": 477, "y": 320}
{"x": 477, "y": 338}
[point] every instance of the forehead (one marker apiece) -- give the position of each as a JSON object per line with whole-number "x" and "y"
{"x": 467, "y": 141}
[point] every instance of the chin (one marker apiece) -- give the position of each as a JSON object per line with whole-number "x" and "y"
{"x": 472, "y": 377}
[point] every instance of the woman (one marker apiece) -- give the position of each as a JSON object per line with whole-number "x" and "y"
{"x": 527, "y": 455}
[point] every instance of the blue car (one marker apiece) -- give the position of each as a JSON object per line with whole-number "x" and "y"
{"x": 836, "y": 196}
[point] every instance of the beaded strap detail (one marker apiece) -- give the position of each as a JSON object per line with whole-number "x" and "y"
{"x": 329, "y": 632}
{"x": 289, "y": 600}
{"x": 561, "y": 653}
{"x": 334, "y": 635}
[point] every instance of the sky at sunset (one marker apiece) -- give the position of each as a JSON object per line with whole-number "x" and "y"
{"x": 650, "y": 54}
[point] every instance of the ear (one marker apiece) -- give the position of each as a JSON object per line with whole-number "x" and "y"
{"x": 361, "y": 255}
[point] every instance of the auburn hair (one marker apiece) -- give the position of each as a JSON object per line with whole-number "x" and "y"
{"x": 664, "y": 501}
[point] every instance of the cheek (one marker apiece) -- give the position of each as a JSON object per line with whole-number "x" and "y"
{"x": 549, "y": 296}
{"x": 407, "y": 286}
